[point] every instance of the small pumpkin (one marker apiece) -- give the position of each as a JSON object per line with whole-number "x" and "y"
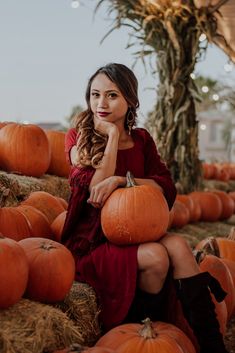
{"x": 149, "y": 337}
{"x": 14, "y": 271}
{"x": 51, "y": 269}
{"x": 135, "y": 214}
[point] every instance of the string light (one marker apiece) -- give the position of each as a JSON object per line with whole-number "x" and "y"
{"x": 203, "y": 127}
{"x": 75, "y": 4}
{"x": 202, "y": 37}
{"x": 215, "y": 97}
{"x": 205, "y": 89}
{"x": 193, "y": 76}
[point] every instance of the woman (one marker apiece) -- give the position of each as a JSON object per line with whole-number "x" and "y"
{"x": 127, "y": 279}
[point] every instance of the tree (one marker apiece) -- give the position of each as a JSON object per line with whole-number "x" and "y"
{"x": 170, "y": 30}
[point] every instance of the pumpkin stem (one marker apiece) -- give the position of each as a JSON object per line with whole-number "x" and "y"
{"x": 231, "y": 235}
{"x": 199, "y": 255}
{"x": 130, "y": 181}
{"x": 47, "y": 246}
{"x": 77, "y": 348}
{"x": 146, "y": 330}
{"x": 211, "y": 247}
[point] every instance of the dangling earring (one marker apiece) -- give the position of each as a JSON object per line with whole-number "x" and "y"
{"x": 130, "y": 120}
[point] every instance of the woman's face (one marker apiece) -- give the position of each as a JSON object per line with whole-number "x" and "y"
{"x": 106, "y": 100}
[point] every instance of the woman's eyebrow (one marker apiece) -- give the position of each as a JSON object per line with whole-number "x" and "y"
{"x": 108, "y": 90}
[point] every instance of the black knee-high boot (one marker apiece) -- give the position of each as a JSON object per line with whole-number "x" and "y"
{"x": 199, "y": 310}
{"x": 147, "y": 305}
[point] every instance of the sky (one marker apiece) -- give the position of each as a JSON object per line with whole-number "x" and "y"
{"x": 48, "y": 51}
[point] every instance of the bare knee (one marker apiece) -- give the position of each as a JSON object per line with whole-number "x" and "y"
{"x": 176, "y": 245}
{"x": 153, "y": 257}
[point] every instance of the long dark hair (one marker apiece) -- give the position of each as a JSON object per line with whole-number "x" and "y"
{"x": 91, "y": 143}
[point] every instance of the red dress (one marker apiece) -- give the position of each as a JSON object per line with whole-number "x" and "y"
{"x": 111, "y": 270}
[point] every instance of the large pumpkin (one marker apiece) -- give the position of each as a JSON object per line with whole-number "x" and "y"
{"x": 227, "y": 204}
{"x": 220, "y": 271}
{"x": 147, "y": 338}
{"x": 57, "y": 226}
{"x": 46, "y": 203}
{"x": 38, "y": 221}
{"x": 181, "y": 214}
{"x": 211, "y": 205}
{"x": 135, "y": 214}
{"x": 14, "y": 224}
{"x": 219, "y": 246}
{"x": 13, "y": 272}
{"x": 51, "y": 269}
{"x": 24, "y": 149}
{"x": 58, "y": 164}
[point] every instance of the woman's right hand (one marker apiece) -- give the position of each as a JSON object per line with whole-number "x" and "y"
{"x": 105, "y": 127}
{"x": 101, "y": 191}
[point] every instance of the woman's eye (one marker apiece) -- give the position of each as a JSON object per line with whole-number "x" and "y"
{"x": 94, "y": 94}
{"x": 112, "y": 95}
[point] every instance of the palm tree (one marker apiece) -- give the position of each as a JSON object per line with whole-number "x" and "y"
{"x": 171, "y": 29}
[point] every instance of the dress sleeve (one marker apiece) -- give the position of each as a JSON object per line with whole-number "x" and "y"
{"x": 79, "y": 182}
{"x": 70, "y": 141}
{"x": 157, "y": 170}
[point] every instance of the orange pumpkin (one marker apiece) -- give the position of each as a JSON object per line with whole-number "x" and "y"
{"x": 58, "y": 164}
{"x": 188, "y": 202}
{"x": 210, "y": 204}
{"x": 221, "y": 247}
{"x": 13, "y": 272}
{"x": 219, "y": 270}
{"x": 51, "y": 269}
{"x": 57, "y": 226}
{"x": 46, "y": 203}
{"x": 38, "y": 221}
{"x": 63, "y": 202}
{"x": 147, "y": 338}
{"x": 13, "y": 224}
{"x": 208, "y": 170}
{"x": 135, "y": 214}
{"x": 181, "y": 214}
{"x": 227, "y": 204}
{"x": 24, "y": 149}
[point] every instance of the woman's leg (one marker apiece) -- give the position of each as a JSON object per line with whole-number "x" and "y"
{"x": 153, "y": 265}
{"x": 192, "y": 287}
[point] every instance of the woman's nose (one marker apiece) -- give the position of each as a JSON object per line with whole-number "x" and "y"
{"x": 102, "y": 103}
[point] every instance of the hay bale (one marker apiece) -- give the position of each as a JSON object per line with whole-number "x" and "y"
{"x": 32, "y": 327}
{"x": 194, "y": 232}
{"x": 81, "y": 307}
{"x": 15, "y": 188}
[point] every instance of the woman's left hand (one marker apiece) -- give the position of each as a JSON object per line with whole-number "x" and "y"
{"x": 101, "y": 191}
